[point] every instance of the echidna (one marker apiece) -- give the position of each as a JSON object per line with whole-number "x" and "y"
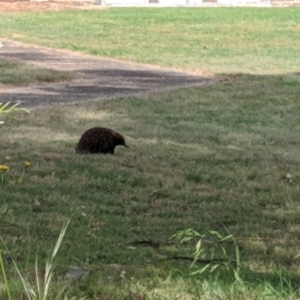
{"x": 100, "y": 140}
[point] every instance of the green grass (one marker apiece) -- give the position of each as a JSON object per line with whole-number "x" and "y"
{"x": 209, "y": 158}
{"x": 213, "y": 40}
{"x": 221, "y": 157}
{"x": 13, "y": 73}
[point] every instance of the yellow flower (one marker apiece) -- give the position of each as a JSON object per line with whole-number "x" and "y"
{"x": 27, "y": 164}
{"x": 4, "y": 168}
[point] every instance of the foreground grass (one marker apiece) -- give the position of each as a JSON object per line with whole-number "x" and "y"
{"x": 220, "y": 157}
{"x": 213, "y": 40}
{"x": 17, "y": 74}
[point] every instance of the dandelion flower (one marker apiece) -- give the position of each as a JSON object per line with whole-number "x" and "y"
{"x": 4, "y": 168}
{"x": 27, "y": 164}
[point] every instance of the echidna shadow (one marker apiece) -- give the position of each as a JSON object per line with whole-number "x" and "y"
{"x": 99, "y": 140}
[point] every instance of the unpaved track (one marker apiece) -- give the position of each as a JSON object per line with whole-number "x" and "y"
{"x": 23, "y": 6}
{"x": 98, "y": 78}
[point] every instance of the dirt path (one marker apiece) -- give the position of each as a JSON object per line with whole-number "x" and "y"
{"x": 21, "y": 6}
{"x": 99, "y": 78}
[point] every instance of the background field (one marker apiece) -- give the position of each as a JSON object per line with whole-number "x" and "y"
{"x": 251, "y": 40}
{"x": 221, "y": 157}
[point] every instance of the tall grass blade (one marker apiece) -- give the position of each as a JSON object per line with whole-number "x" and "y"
{"x": 41, "y": 292}
{"x": 49, "y": 263}
{"x": 4, "y": 108}
{"x": 4, "y": 276}
{"x": 37, "y": 276}
{"x": 27, "y": 286}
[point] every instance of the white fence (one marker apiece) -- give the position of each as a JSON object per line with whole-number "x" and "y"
{"x": 180, "y": 2}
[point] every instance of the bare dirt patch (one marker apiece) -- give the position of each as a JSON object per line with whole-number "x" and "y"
{"x": 22, "y": 6}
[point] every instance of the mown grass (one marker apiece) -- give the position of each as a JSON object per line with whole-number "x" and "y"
{"x": 13, "y": 73}
{"x": 209, "y": 40}
{"x": 222, "y": 157}
{"x": 208, "y": 158}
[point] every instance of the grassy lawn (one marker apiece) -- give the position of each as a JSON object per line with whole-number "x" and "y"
{"x": 208, "y": 40}
{"x": 18, "y": 74}
{"x": 209, "y": 158}
{"x": 222, "y": 157}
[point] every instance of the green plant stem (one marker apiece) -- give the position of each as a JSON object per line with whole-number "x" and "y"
{"x": 21, "y": 177}
{"x": 4, "y": 276}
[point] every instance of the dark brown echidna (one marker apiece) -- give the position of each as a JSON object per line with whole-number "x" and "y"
{"x": 100, "y": 140}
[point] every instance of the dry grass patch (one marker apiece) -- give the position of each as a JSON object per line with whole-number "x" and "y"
{"x": 13, "y": 73}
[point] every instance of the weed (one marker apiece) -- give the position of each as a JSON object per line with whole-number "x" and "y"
{"x": 39, "y": 290}
{"x": 210, "y": 251}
